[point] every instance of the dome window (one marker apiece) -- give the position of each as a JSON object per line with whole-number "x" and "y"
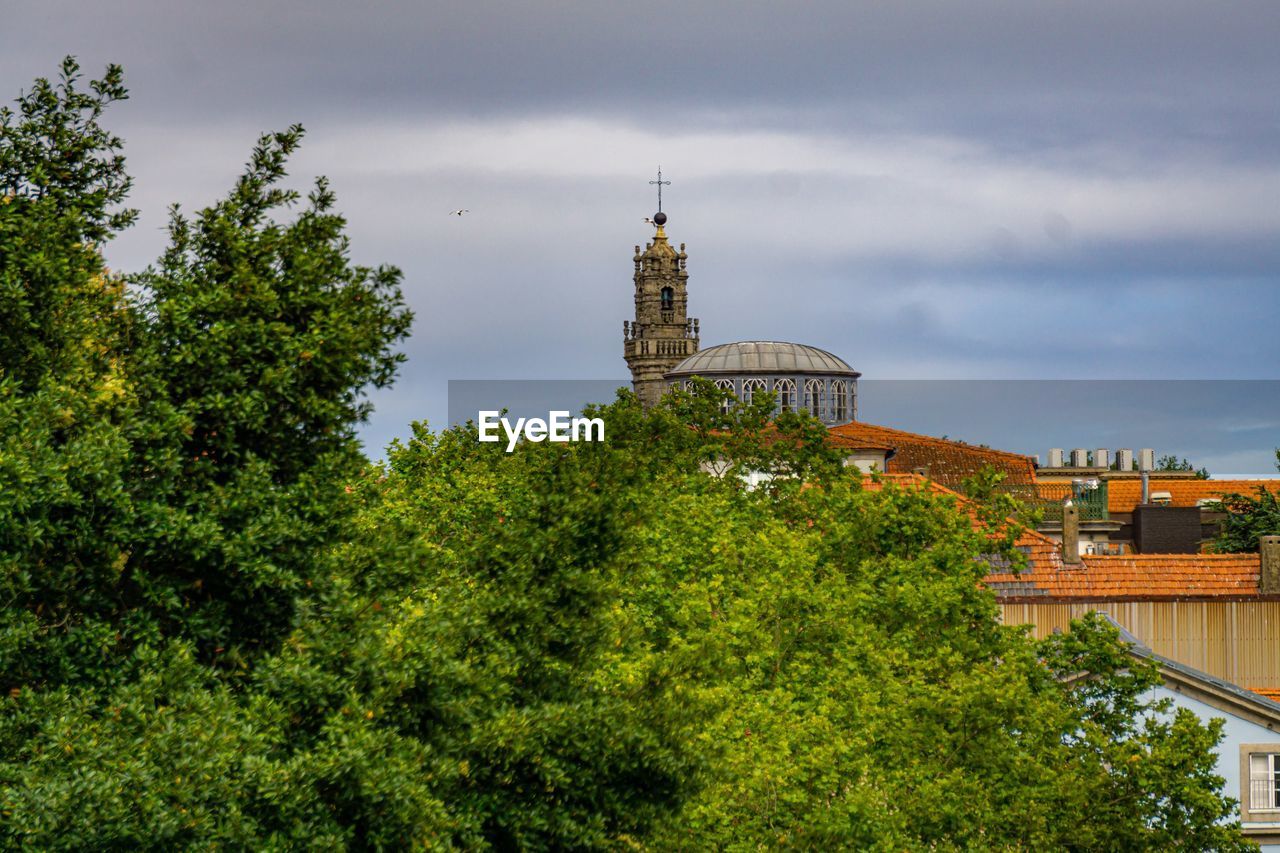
{"x": 813, "y": 397}
{"x": 727, "y": 403}
{"x": 839, "y": 400}
{"x": 751, "y": 387}
{"x": 786, "y": 389}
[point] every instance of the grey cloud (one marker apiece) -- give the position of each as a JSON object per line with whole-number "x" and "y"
{"x": 977, "y": 189}
{"x": 1053, "y": 64}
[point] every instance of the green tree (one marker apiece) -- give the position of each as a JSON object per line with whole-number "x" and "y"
{"x": 1173, "y": 463}
{"x": 1248, "y": 518}
{"x": 67, "y": 406}
{"x": 220, "y": 626}
{"x": 176, "y": 450}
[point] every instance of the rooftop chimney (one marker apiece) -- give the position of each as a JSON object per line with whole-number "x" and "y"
{"x": 1269, "y": 579}
{"x": 1146, "y": 459}
{"x": 1055, "y": 457}
{"x": 1079, "y": 458}
{"x": 1124, "y": 460}
{"x": 1102, "y": 458}
{"x": 1146, "y": 487}
{"x": 1070, "y": 533}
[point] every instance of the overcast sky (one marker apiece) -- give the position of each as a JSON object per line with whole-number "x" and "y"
{"x": 929, "y": 190}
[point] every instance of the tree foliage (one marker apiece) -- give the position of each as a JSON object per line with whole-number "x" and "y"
{"x": 1173, "y": 463}
{"x": 176, "y": 448}
{"x": 1248, "y": 518}
{"x": 222, "y": 627}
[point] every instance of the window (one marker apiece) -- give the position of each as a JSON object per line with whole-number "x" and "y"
{"x": 813, "y": 397}
{"x": 839, "y": 400}
{"x": 750, "y": 387}
{"x": 786, "y": 389}
{"x": 1264, "y": 785}
{"x": 668, "y": 298}
{"x": 727, "y": 403}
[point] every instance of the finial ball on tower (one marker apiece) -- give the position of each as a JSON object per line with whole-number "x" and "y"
{"x": 659, "y": 218}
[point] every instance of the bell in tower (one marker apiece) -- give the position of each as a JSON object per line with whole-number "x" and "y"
{"x": 662, "y": 334}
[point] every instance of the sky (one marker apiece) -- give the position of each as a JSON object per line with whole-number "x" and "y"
{"x": 969, "y": 190}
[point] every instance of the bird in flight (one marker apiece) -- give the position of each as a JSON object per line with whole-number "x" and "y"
{"x": 458, "y": 212}
{"x": 649, "y": 220}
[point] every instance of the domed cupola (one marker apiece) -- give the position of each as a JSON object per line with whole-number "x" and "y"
{"x": 802, "y": 377}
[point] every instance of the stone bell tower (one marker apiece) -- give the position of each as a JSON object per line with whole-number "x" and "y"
{"x": 662, "y": 334}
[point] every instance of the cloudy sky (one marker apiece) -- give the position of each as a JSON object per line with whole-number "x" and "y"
{"x": 930, "y": 190}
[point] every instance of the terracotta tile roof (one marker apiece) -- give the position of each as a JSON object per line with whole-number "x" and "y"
{"x": 1124, "y": 495}
{"x": 1053, "y": 491}
{"x": 948, "y": 462}
{"x": 1272, "y": 693}
{"x": 858, "y": 442}
{"x": 770, "y": 434}
{"x": 1133, "y": 577}
{"x": 1042, "y": 552}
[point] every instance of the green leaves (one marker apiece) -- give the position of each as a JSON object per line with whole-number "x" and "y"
{"x": 1248, "y": 518}
{"x": 53, "y": 148}
{"x": 220, "y": 626}
{"x": 177, "y": 450}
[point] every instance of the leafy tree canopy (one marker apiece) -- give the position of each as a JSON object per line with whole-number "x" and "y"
{"x": 1173, "y": 463}
{"x": 1248, "y": 518}
{"x": 223, "y": 627}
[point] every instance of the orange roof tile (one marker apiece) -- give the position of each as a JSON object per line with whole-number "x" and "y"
{"x": 1124, "y": 495}
{"x": 1040, "y": 549}
{"x": 947, "y": 462}
{"x": 1135, "y": 576}
{"x": 858, "y": 442}
{"x": 1272, "y": 693}
{"x": 1107, "y": 578}
{"x": 1054, "y": 491}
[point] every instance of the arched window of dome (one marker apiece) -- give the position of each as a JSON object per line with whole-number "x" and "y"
{"x": 839, "y": 400}
{"x": 727, "y": 403}
{"x": 751, "y": 387}
{"x": 786, "y": 390}
{"x": 668, "y": 298}
{"x": 813, "y": 397}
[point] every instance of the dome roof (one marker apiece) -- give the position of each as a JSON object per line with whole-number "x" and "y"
{"x": 761, "y": 357}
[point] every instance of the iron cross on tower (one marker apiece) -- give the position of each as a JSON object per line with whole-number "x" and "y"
{"x": 659, "y": 182}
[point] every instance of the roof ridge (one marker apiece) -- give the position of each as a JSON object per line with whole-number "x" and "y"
{"x": 919, "y": 435}
{"x": 1188, "y": 557}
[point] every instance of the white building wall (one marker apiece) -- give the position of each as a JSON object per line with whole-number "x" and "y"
{"x": 1235, "y": 732}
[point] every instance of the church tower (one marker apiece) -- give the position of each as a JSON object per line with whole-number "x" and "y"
{"x": 662, "y": 334}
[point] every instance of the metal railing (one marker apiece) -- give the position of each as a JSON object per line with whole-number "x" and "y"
{"x": 1092, "y": 502}
{"x": 1264, "y": 794}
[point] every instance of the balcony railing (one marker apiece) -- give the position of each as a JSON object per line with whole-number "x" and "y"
{"x": 1092, "y": 503}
